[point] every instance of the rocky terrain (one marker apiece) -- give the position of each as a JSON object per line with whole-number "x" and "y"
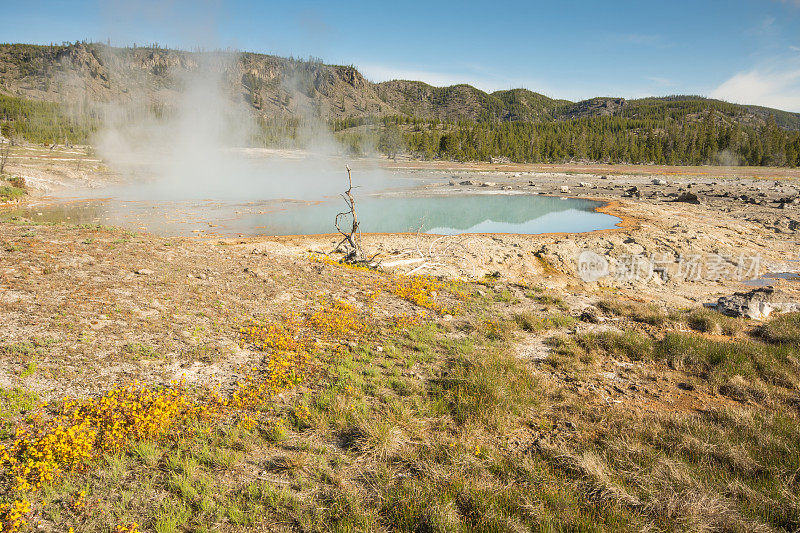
{"x": 668, "y": 214}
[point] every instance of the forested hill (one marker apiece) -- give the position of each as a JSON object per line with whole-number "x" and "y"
{"x": 58, "y": 91}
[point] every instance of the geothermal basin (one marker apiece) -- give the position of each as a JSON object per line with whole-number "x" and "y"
{"x": 284, "y": 204}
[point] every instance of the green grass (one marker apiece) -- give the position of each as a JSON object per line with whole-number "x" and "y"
{"x": 13, "y": 403}
{"x": 446, "y": 429}
{"x": 727, "y": 467}
{"x": 714, "y": 322}
{"x": 140, "y": 351}
{"x": 492, "y": 390}
{"x": 9, "y": 193}
{"x": 536, "y": 324}
{"x": 29, "y": 370}
{"x": 783, "y": 329}
{"x": 550, "y": 300}
{"x": 713, "y": 360}
{"x": 629, "y": 345}
{"x": 645, "y": 313}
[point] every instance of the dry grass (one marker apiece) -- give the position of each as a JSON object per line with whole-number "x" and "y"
{"x": 432, "y": 423}
{"x": 714, "y": 322}
{"x": 647, "y": 313}
{"x": 784, "y": 329}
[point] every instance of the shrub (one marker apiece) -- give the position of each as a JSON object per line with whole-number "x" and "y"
{"x": 710, "y": 321}
{"x": 783, "y": 329}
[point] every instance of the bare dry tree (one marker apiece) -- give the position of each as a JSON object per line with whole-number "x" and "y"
{"x": 350, "y": 245}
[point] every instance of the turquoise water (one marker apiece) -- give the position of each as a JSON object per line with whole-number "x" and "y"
{"x": 442, "y": 215}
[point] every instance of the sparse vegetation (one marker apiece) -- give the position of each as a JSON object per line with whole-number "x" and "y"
{"x": 663, "y": 462}
{"x": 449, "y": 431}
{"x": 646, "y": 313}
{"x": 784, "y": 329}
{"x": 711, "y": 321}
{"x": 536, "y": 324}
{"x": 9, "y": 193}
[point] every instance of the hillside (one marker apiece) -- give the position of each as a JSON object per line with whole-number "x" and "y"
{"x": 84, "y": 73}
{"x": 54, "y": 93}
{"x": 460, "y": 102}
{"x": 95, "y": 74}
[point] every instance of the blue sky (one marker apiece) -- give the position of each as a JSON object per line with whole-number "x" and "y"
{"x": 740, "y": 50}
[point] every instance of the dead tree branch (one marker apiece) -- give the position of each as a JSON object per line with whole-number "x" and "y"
{"x": 350, "y": 245}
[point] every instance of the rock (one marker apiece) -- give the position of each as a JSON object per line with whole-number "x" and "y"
{"x": 585, "y": 184}
{"x": 467, "y": 182}
{"x": 451, "y": 183}
{"x": 633, "y": 192}
{"x": 659, "y": 181}
{"x": 564, "y": 189}
{"x": 757, "y": 304}
{"x": 688, "y": 198}
{"x": 145, "y": 272}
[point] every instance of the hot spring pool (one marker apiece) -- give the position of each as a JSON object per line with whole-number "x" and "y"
{"x": 441, "y": 214}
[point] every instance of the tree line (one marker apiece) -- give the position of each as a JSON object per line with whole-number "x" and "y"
{"x": 693, "y": 133}
{"x": 614, "y": 139}
{"x": 46, "y": 122}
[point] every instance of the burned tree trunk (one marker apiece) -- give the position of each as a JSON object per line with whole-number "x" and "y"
{"x": 350, "y": 245}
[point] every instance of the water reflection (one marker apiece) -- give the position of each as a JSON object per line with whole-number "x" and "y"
{"x": 445, "y": 215}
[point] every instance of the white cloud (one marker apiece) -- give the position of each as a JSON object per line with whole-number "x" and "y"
{"x": 777, "y": 87}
